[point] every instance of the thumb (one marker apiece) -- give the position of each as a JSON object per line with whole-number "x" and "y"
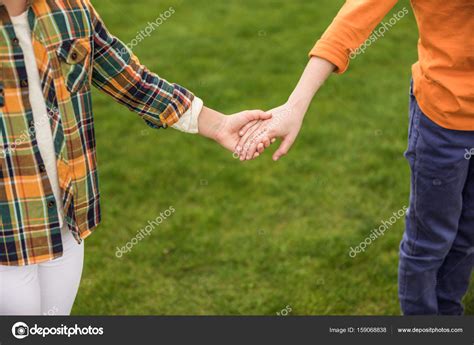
{"x": 284, "y": 147}
{"x": 252, "y": 115}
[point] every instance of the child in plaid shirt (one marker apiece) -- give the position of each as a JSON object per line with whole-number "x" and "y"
{"x": 51, "y": 53}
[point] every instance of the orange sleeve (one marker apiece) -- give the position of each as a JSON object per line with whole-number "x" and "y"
{"x": 351, "y": 27}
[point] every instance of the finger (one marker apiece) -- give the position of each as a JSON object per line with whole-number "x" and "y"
{"x": 247, "y": 132}
{"x": 245, "y": 128}
{"x": 284, "y": 147}
{"x": 249, "y": 136}
{"x": 244, "y": 117}
{"x": 245, "y": 141}
{"x": 266, "y": 143}
{"x": 255, "y": 142}
{"x": 253, "y": 146}
{"x": 251, "y": 115}
{"x": 261, "y": 139}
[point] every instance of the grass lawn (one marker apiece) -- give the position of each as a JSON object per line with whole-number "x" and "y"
{"x": 257, "y": 237}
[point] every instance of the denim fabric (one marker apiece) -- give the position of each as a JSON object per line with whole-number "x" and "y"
{"x": 437, "y": 249}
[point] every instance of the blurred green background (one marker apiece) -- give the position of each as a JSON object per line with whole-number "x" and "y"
{"x": 258, "y": 237}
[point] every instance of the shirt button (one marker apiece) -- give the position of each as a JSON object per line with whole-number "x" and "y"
{"x": 24, "y": 83}
{"x": 15, "y": 41}
{"x": 51, "y": 204}
{"x": 42, "y": 168}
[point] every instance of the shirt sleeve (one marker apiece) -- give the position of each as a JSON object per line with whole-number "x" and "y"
{"x": 118, "y": 72}
{"x": 351, "y": 27}
{"x": 189, "y": 122}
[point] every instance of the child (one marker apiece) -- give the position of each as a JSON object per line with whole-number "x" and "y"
{"x": 437, "y": 250}
{"x": 51, "y": 52}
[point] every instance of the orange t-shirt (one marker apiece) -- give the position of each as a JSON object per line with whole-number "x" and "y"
{"x": 443, "y": 76}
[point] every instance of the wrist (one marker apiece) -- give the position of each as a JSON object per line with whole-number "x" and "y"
{"x": 210, "y": 123}
{"x": 315, "y": 74}
{"x": 300, "y": 101}
{"x": 299, "y": 105}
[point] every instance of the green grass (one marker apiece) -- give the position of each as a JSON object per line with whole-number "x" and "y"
{"x": 252, "y": 238}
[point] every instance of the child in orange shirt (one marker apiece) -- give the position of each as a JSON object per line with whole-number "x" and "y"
{"x": 437, "y": 250}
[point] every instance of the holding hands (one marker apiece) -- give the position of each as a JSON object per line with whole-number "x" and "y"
{"x": 225, "y": 129}
{"x": 247, "y": 134}
{"x": 256, "y": 136}
{"x": 286, "y": 119}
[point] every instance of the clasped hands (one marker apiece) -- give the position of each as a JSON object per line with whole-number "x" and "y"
{"x": 247, "y": 134}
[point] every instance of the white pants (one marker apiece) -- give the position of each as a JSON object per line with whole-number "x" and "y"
{"x": 48, "y": 288}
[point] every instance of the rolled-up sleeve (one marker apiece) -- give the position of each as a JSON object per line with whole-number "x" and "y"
{"x": 351, "y": 27}
{"x": 118, "y": 72}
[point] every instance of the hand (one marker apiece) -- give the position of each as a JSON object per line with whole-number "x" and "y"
{"x": 287, "y": 119}
{"x": 285, "y": 123}
{"x": 225, "y": 129}
{"x": 228, "y": 135}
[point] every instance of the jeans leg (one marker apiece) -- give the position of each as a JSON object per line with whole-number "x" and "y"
{"x": 438, "y": 175}
{"x": 455, "y": 273}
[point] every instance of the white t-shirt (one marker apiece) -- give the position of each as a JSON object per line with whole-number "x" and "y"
{"x": 188, "y": 122}
{"x": 42, "y": 125}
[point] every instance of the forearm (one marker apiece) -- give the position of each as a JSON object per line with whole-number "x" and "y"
{"x": 315, "y": 74}
{"x": 210, "y": 123}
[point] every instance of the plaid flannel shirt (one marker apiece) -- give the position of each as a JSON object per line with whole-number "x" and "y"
{"x": 73, "y": 51}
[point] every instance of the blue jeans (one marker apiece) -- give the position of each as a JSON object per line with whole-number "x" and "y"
{"x": 437, "y": 249}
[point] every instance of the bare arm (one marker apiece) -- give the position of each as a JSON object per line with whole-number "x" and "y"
{"x": 349, "y": 29}
{"x": 315, "y": 74}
